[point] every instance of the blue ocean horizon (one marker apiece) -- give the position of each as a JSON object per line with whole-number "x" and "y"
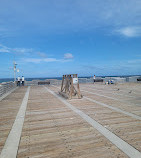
{"x": 58, "y": 78}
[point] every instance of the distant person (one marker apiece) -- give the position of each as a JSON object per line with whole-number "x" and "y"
{"x": 94, "y": 78}
{"x": 19, "y": 79}
{"x": 22, "y": 80}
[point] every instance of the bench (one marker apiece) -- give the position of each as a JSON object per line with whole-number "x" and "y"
{"x": 138, "y": 79}
{"x": 98, "y": 80}
{"x": 44, "y": 83}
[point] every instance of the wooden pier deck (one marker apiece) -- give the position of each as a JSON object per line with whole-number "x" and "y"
{"x": 35, "y": 122}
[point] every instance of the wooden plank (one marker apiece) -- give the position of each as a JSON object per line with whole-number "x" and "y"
{"x": 121, "y": 144}
{"x": 11, "y": 145}
{"x": 59, "y": 133}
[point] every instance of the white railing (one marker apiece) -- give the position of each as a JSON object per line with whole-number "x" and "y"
{"x": 6, "y": 87}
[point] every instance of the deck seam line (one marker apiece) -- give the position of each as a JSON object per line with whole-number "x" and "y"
{"x": 12, "y": 142}
{"x": 108, "y": 97}
{"x": 100, "y": 95}
{"x": 111, "y": 92}
{"x": 6, "y": 94}
{"x": 113, "y": 108}
{"x": 121, "y": 144}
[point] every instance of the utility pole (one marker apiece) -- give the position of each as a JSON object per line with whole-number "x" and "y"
{"x": 14, "y": 66}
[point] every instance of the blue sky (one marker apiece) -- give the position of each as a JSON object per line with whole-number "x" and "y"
{"x": 49, "y": 38}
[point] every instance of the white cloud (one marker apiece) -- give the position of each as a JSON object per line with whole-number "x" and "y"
{"x": 130, "y": 31}
{"x": 134, "y": 61}
{"x": 39, "y": 60}
{"x": 41, "y": 54}
{"x": 4, "y": 49}
{"x": 68, "y": 15}
{"x": 22, "y": 50}
{"x": 32, "y": 56}
{"x": 32, "y": 60}
{"x": 50, "y": 59}
{"x": 68, "y": 56}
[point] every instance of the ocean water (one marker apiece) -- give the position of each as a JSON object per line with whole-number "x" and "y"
{"x": 27, "y": 79}
{"x": 30, "y": 79}
{"x": 58, "y": 78}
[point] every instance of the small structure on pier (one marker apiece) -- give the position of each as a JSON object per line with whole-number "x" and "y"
{"x": 70, "y": 87}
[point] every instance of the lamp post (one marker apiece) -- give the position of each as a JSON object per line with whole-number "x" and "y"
{"x": 14, "y": 66}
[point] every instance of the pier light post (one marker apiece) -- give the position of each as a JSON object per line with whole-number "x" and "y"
{"x": 14, "y": 65}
